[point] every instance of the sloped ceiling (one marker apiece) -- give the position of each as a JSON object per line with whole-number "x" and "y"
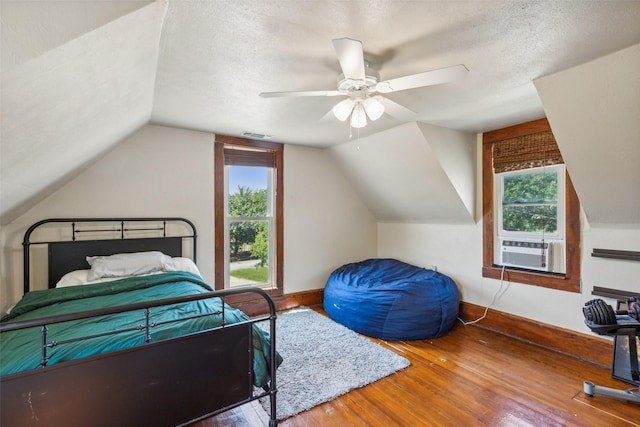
{"x": 594, "y": 112}
{"x": 32, "y": 28}
{"x": 78, "y": 76}
{"x": 405, "y": 174}
{"x": 66, "y": 107}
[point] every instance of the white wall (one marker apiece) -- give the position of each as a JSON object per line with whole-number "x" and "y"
{"x": 457, "y": 155}
{"x": 158, "y": 171}
{"x": 594, "y": 111}
{"x": 456, "y": 250}
{"x": 609, "y": 273}
{"x": 162, "y": 171}
{"x": 399, "y": 173}
{"x": 326, "y": 224}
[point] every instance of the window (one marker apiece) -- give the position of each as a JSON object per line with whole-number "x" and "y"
{"x": 531, "y": 202}
{"x": 530, "y": 218}
{"x": 249, "y": 221}
{"x": 531, "y": 212}
{"x": 248, "y": 214}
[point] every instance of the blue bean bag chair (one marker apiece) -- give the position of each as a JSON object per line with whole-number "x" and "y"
{"x": 391, "y": 300}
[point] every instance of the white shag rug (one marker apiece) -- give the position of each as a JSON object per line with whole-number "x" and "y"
{"x": 323, "y": 360}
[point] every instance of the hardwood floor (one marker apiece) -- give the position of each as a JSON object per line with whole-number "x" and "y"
{"x": 470, "y": 377}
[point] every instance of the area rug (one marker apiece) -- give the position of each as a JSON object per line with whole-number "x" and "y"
{"x": 323, "y": 360}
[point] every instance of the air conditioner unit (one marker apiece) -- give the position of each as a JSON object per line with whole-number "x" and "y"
{"x": 532, "y": 255}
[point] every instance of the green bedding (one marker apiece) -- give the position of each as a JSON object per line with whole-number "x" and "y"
{"x": 20, "y": 350}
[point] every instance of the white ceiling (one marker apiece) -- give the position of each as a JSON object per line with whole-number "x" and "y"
{"x": 78, "y": 76}
{"x": 594, "y": 111}
{"x": 215, "y": 51}
{"x": 211, "y": 52}
{"x": 413, "y": 173}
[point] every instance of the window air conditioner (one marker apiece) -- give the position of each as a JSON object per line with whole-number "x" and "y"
{"x": 526, "y": 254}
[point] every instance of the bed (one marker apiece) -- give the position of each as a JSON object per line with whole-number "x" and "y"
{"x": 389, "y": 299}
{"x": 127, "y": 332}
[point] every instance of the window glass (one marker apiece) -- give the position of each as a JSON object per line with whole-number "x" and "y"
{"x": 250, "y": 221}
{"x": 529, "y": 202}
{"x": 248, "y": 191}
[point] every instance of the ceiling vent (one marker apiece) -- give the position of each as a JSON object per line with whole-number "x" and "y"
{"x": 256, "y": 135}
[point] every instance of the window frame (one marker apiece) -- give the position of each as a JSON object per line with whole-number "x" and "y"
{"x": 557, "y": 238}
{"x": 268, "y": 217}
{"x": 568, "y": 281}
{"x": 220, "y": 228}
{"x": 498, "y": 189}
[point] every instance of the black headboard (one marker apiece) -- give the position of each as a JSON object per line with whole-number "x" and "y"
{"x": 67, "y": 255}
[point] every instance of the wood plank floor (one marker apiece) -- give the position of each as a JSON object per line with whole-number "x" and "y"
{"x": 470, "y": 377}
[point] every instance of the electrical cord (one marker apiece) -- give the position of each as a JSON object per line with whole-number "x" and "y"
{"x": 498, "y": 294}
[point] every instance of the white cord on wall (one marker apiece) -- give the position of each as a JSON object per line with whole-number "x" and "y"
{"x": 498, "y": 294}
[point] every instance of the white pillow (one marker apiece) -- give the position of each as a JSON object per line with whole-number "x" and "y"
{"x": 127, "y": 264}
{"x": 73, "y": 278}
{"x": 184, "y": 264}
{"x": 79, "y": 277}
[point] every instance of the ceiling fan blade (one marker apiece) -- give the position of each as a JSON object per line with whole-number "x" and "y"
{"x": 427, "y": 78}
{"x": 301, "y": 93}
{"x": 396, "y": 110}
{"x": 351, "y": 57}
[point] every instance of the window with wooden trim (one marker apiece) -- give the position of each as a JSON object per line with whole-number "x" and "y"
{"x": 531, "y": 213}
{"x": 248, "y": 214}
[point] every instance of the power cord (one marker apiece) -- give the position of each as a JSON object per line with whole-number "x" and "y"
{"x": 498, "y": 294}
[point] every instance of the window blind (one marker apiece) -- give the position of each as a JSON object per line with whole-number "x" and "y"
{"x": 524, "y": 152}
{"x": 243, "y": 157}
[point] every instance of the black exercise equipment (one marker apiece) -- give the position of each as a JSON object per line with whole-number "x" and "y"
{"x": 624, "y": 326}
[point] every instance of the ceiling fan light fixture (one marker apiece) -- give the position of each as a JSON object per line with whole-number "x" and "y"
{"x": 359, "y": 83}
{"x": 358, "y": 116}
{"x": 343, "y": 109}
{"x": 373, "y": 107}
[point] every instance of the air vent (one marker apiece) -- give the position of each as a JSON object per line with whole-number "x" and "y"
{"x": 256, "y": 135}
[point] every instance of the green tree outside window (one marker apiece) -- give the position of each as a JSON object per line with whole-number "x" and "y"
{"x": 530, "y": 202}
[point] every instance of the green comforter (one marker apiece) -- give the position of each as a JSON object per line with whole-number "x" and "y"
{"x": 20, "y": 350}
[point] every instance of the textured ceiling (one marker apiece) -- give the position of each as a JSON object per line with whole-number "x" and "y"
{"x": 217, "y": 56}
{"x": 78, "y": 76}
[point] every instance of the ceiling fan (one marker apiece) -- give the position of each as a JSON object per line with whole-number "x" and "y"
{"x": 361, "y": 85}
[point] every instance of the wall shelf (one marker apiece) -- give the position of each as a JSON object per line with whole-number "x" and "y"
{"x": 615, "y": 254}
{"x": 617, "y": 294}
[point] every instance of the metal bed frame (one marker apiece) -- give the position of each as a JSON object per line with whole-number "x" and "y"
{"x": 177, "y": 381}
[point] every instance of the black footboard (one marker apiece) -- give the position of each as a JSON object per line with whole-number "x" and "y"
{"x": 176, "y": 381}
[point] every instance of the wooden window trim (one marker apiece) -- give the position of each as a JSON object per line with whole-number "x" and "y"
{"x": 278, "y": 150}
{"x": 570, "y": 281}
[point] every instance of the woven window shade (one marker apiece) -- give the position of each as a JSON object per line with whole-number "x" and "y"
{"x": 243, "y": 157}
{"x": 524, "y": 152}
